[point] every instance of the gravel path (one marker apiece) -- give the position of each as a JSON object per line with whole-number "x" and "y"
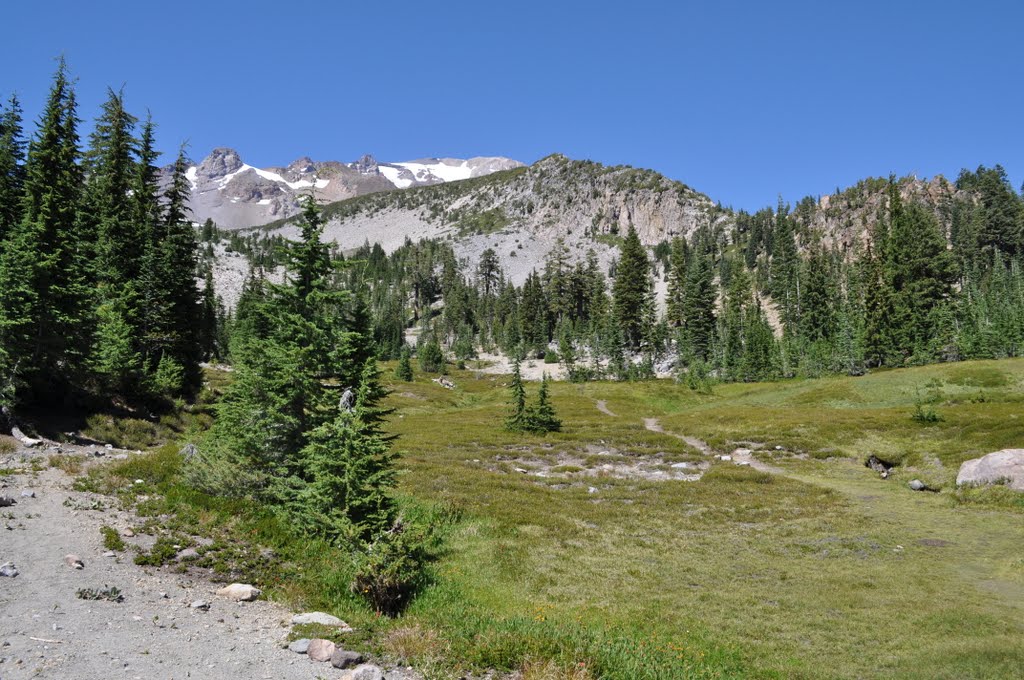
{"x": 47, "y": 632}
{"x": 602, "y": 406}
{"x": 739, "y": 456}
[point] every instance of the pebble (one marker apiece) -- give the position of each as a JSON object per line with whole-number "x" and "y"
{"x": 128, "y": 533}
{"x": 299, "y": 646}
{"x": 8, "y": 569}
{"x": 320, "y": 649}
{"x": 202, "y": 605}
{"x": 28, "y": 493}
{"x": 187, "y": 555}
{"x": 74, "y": 561}
{"x": 110, "y": 553}
{"x": 917, "y": 485}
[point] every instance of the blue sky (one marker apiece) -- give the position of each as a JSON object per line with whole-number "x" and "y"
{"x": 741, "y": 100}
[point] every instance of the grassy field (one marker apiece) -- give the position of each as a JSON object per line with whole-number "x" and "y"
{"x": 566, "y": 557}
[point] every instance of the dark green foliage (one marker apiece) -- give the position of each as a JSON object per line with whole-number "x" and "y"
{"x": 631, "y": 290}
{"x": 541, "y": 417}
{"x": 516, "y": 420}
{"x": 12, "y": 171}
{"x": 404, "y": 369}
{"x": 393, "y": 567}
{"x": 430, "y": 356}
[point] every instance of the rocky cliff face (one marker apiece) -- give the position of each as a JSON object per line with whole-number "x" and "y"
{"x": 236, "y": 195}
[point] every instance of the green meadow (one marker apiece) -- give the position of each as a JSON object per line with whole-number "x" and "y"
{"x": 567, "y": 556}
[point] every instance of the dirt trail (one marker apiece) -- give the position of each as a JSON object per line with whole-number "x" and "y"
{"x": 602, "y": 406}
{"x": 653, "y": 425}
{"x": 739, "y": 456}
{"x": 46, "y": 631}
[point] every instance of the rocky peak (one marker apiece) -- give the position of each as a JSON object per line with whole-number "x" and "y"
{"x": 302, "y": 166}
{"x": 220, "y": 162}
{"x": 366, "y": 165}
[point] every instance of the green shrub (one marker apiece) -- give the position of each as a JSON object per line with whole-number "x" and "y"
{"x": 112, "y": 539}
{"x": 431, "y": 357}
{"x": 163, "y": 552}
{"x": 393, "y": 568}
{"x": 551, "y": 357}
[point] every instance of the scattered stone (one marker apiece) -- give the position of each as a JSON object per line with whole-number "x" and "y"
{"x": 742, "y": 452}
{"x": 6, "y": 502}
{"x": 187, "y": 555}
{"x": 778, "y": 448}
{"x": 444, "y": 382}
{"x": 299, "y": 646}
{"x": 917, "y": 485}
{"x": 128, "y": 533}
{"x": 591, "y": 489}
{"x": 140, "y": 481}
{"x": 343, "y": 658}
{"x": 1000, "y": 467}
{"x": 725, "y": 458}
{"x": 679, "y": 466}
{"x": 880, "y": 466}
{"x": 164, "y": 596}
{"x": 8, "y": 569}
{"x": 242, "y": 592}
{"x": 108, "y": 447}
{"x": 201, "y": 605}
{"x": 742, "y": 463}
{"x": 521, "y": 471}
{"x": 366, "y": 671}
{"x": 74, "y": 561}
{"x": 321, "y": 618}
{"x": 110, "y": 553}
{"x": 28, "y": 493}
{"x": 320, "y": 649}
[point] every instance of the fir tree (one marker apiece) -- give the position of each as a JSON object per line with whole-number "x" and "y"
{"x": 699, "y": 308}
{"x": 541, "y": 417}
{"x": 404, "y": 369}
{"x": 517, "y": 419}
{"x": 631, "y": 290}
{"x": 12, "y": 171}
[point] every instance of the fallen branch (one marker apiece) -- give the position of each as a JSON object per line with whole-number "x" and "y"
{"x": 57, "y": 642}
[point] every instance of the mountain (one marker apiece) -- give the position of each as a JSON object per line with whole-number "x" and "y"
{"x": 236, "y": 195}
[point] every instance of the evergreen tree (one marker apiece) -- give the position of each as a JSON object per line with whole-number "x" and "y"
{"x": 517, "y": 420}
{"x": 541, "y": 418}
{"x": 675, "y": 302}
{"x": 45, "y": 321}
{"x": 631, "y": 290}
{"x": 699, "y": 308}
{"x": 12, "y": 171}
{"x": 404, "y": 369}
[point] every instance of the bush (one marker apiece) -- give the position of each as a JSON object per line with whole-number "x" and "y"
{"x": 111, "y": 539}
{"x": 551, "y": 357}
{"x": 392, "y": 568}
{"x": 431, "y": 357}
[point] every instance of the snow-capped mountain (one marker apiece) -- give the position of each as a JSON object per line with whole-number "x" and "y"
{"x": 236, "y": 195}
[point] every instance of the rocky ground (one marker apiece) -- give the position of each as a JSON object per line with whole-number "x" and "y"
{"x": 166, "y": 625}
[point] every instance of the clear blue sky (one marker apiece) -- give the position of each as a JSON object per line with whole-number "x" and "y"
{"x": 740, "y": 100}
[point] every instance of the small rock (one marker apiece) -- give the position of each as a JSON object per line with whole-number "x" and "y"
{"x": 8, "y": 569}
{"x": 128, "y": 533}
{"x": 201, "y": 605}
{"x": 74, "y": 561}
{"x": 164, "y": 596}
{"x": 725, "y": 458}
{"x": 28, "y": 493}
{"x": 342, "y": 658}
{"x": 778, "y": 448}
{"x": 320, "y": 649}
{"x": 140, "y": 481}
{"x": 743, "y": 463}
{"x": 110, "y": 553}
{"x": 242, "y": 592}
{"x": 591, "y": 489}
{"x": 187, "y": 555}
{"x": 917, "y": 485}
{"x": 321, "y": 618}
{"x": 366, "y": 671}
{"x": 108, "y": 447}
{"x": 299, "y": 646}
{"x": 741, "y": 452}
{"x": 7, "y": 501}
{"x": 98, "y": 453}
{"x": 679, "y": 466}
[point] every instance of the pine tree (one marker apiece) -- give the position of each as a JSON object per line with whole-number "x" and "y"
{"x": 517, "y": 418}
{"x": 699, "y": 308}
{"x": 45, "y": 324}
{"x": 541, "y": 418}
{"x": 675, "y": 302}
{"x": 12, "y": 171}
{"x": 404, "y": 369}
{"x": 631, "y": 290}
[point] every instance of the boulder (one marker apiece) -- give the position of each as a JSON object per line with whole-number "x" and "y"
{"x": 366, "y": 671}
{"x": 187, "y": 555}
{"x": 917, "y": 485}
{"x": 320, "y": 649}
{"x": 1006, "y": 466}
{"x": 322, "y": 619}
{"x": 343, "y": 658}
{"x": 241, "y": 592}
{"x": 300, "y": 646}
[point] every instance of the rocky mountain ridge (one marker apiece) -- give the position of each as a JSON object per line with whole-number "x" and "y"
{"x": 236, "y": 195}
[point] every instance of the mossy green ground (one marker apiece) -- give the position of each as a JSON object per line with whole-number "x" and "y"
{"x": 824, "y": 570}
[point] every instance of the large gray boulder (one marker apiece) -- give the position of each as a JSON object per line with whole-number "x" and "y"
{"x": 1006, "y": 465}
